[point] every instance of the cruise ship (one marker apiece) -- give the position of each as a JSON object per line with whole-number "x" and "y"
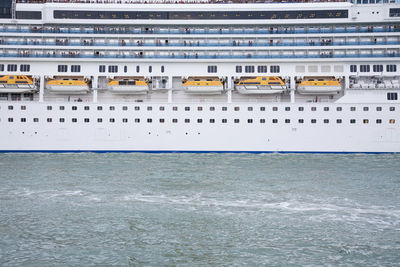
{"x": 199, "y": 76}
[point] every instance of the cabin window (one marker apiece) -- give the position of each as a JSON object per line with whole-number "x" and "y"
{"x": 238, "y": 69}
{"x": 287, "y": 108}
{"x": 86, "y": 108}
{"x": 338, "y": 108}
{"x": 25, "y": 67}
{"x": 313, "y": 121}
{"x": 391, "y": 68}
{"x": 377, "y": 68}
{"x": 99, "y": 107}
{"x": 287, "y": 120}
{"x": 378, "y": 121}
{"x": 249, "y": 69}
{"x": 149, "y": 108}
{"x": 175, "y": 108}
{"x": 212, "y": 69}
{"x": 262, "y": 120}
{"x": 262, "y": 108}
{"x": 274, "y": 120}
{"x": 12, "y": 67}
{"x": 378, "y": 108}
{"x": 301, "y": 120}
{"x": 339, "y": 121}
{"x": 212, "y": 108}
{"x": 236, "y": 120}
{"x": 74, "y": 107}
{"x": 249, "y": 108}
{"x": 236, "y": 108}
{"x": 74, "y": 120}
{"x": 364, "y": 68}
{"x": 326, "y": 108}
{"x": 212, "y": 120}
{"x": 365, "y": 108}
{"x": 174, "y": 120}
{"x": 61, "y": 108}
{"x": 313, "y": 108}
{"x": 62, "y": 120}
{"x": 124, "y": 120}
{"x": 150, "y": 69}
{"x": 365, "y": 121}
{"x": 224, "y": 108}
{"x": 10, "y": 119}
{"x": 199, "y": 120}
{"x": 137, "y": 108}
{"x": 124, "y": 108}
{"x": 1, "y": 67}
{"x": 75, "y": 68}
{"x": 392, "y": 121}
{"x": 10, "y": 107}
{"x": 23, "y": 107}
{"x": 112, "y": 108}
{"x": 113, "y": 68}
{"x": 149, "y": 120}
{"x": 137, "y": 120}
{"x": 352, "y": 121}
{"x": 352, "y": 108}
{"x": 86, "y": 120}
{"x": 137, "y": 69}
{"x": 275, "y": 69}
{"x": 224, "y": 120}
{"x": 199, "y": 108}
{"x": 353, "y": 68}
{"x": 62, "y": 68}
{"x": 301, "y": 108}
{"x": 112, "y": 120}
{"x": 391, "y": 96}
{"x": 187, "y": 108}
{"x": 102, "y": 68}
{"x": 162, "y": 69}
{"x": 326, "y": 121}
{"x": 35, "y": 119}
{"x": 162, "y": 120}
{"x": 49, "y": 107}
{"x": 125, "y": 69}
{"x": 262, "y": 69}
{"x": 274, "y": 108}
{"x": 162, "y": 108}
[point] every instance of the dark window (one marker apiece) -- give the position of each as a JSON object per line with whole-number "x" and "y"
{"x": 1, "y": 67}
{"x": 112, "y": 120}
{"x": 137, "y": 69}
{"x": 353, "y": 68}
{"x": 99, "y": 108}
{"x": 274, "y": 120}
{"x": 28, "y": 14}
{"x": 249, "y": 69}
{"x": 224, "y": 108}
{"x": 365, "y": 108}
{"x": 12, "y": 67}
{"x": 338, "y": 108}
{"x": 378, "y": 121}
{"x": 75, "y": 68}
{"x": 274, "y": 69}
{"x": 211, "y": 69}
{"x": 301, "y": 108}
{"x": 62, "y": 68}
{"x": 124, "y": 108}
{"x": 212, "y": 120}
{"x": 162, "y": 69}
{"x": 377, "y": 68}
{"x": 339, "y": 121}
{"x": 391, "y": 96}
{"x": 86, "y": 120}
{"x": 364, "y": 68}
{"x": 113, "y": 68}
{"x": 74, "y": 108}
{"x": 187, "y": 108}
{"x": 261, "y": 69}
{"x": 238, "y": 69}
{"x": 102, "y": 68}
{"x": 25, "y": 67}
{"x": 125, "y": 68}
{"x": 391, "y": 68}
{"x": 150, "y": 69}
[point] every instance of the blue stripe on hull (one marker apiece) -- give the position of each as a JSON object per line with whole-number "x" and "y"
{"x": 190, "y": 151}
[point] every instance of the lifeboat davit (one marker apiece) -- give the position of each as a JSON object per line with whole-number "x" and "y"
{"x": 16, "y": 84}
{"x": 128, "y": 85}
{"x": 319, "y": 85}
{"x": 203, "y": 85}
{"x": 261, "y": 85}
{"x": 68, "y": 85}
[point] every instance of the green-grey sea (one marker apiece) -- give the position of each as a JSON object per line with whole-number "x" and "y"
{"x": 138, "y": 209}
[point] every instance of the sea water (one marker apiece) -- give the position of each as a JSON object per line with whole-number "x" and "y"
{"x": 199, "y": 209}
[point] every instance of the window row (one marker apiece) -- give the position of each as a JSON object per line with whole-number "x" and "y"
{"x": 260, "y": 69}
{"x": 64, "y": 68}
{"x": 212, "y": 108}
{"x": 375, "y": 68}
{"x": 200, "y": 120}
{"x": 14, "y": 67}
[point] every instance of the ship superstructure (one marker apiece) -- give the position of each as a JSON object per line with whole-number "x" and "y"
{"x": 199, "y": 76}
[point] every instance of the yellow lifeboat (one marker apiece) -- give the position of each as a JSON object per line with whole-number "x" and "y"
{"x": 16, "y": 84}
{"x": 128, "y": 85}
{"x": 319, "y": 85}
{"x": 261, "y": 85}
{"x": 203, "y": 85}
{"x": 68, "y": 85}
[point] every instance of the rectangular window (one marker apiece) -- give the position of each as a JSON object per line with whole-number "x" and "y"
{"x": 352, "y": 121}
{"x": 199, "y": 120}
{"x": 275, "y": 69}
{"x": 174, "y": 120}
{"x": 378, "y": 121}
{"x": 236, "y": 121}
{"x": 62, "y": 120}
{"x": 150, "y": 69}
{"x": 62, "y": 68}
{"x": 149, "y": 108}
{"x": 124, "y": 108}
{"x": 338, "y": 121}
{"x": 23, "y": 119}
{"x": 353, "y": 68}
{"x": 124, "y": 120}
{"x": 238, "y": 69}
{"x": 102, "y": 68}
{"x": 212, "y": 69}
{"x": 125, "y": 69}
{"x": 162, "y": 69}
{"x": 249, "y": 69}
{"x": 137, "y": 69}
{"x": 187, "y": 120}
{"x": 162, "y": 120}
{"x": 75, "y": 68}
{"x": 99, "y": 120}
{"x": 86, "y": 120}
{"x": 391, "y": 96}
{"x": 212, "y": 120}
{"x": 99, "y": 108}
{"x": 86, "y": 107}
{"x": 274, "y": 120}
{"x": 12, "y": 67}
{"x": 112, "y": 120}
{"x": 262, "y": 120}
{"x": 377, "y": 68}
{"x": 137, "y": 120}
{"x": 391, "y": 68}
{"x": 1, "y": 67}
{"x": 113, "y": 68}
{"x": 262, "y": 69}
{"x": 364, "y": 68}
{"x": 249, "y": 120}
{"x": 301, "y": 120}
{"x": 25, "y": 67}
